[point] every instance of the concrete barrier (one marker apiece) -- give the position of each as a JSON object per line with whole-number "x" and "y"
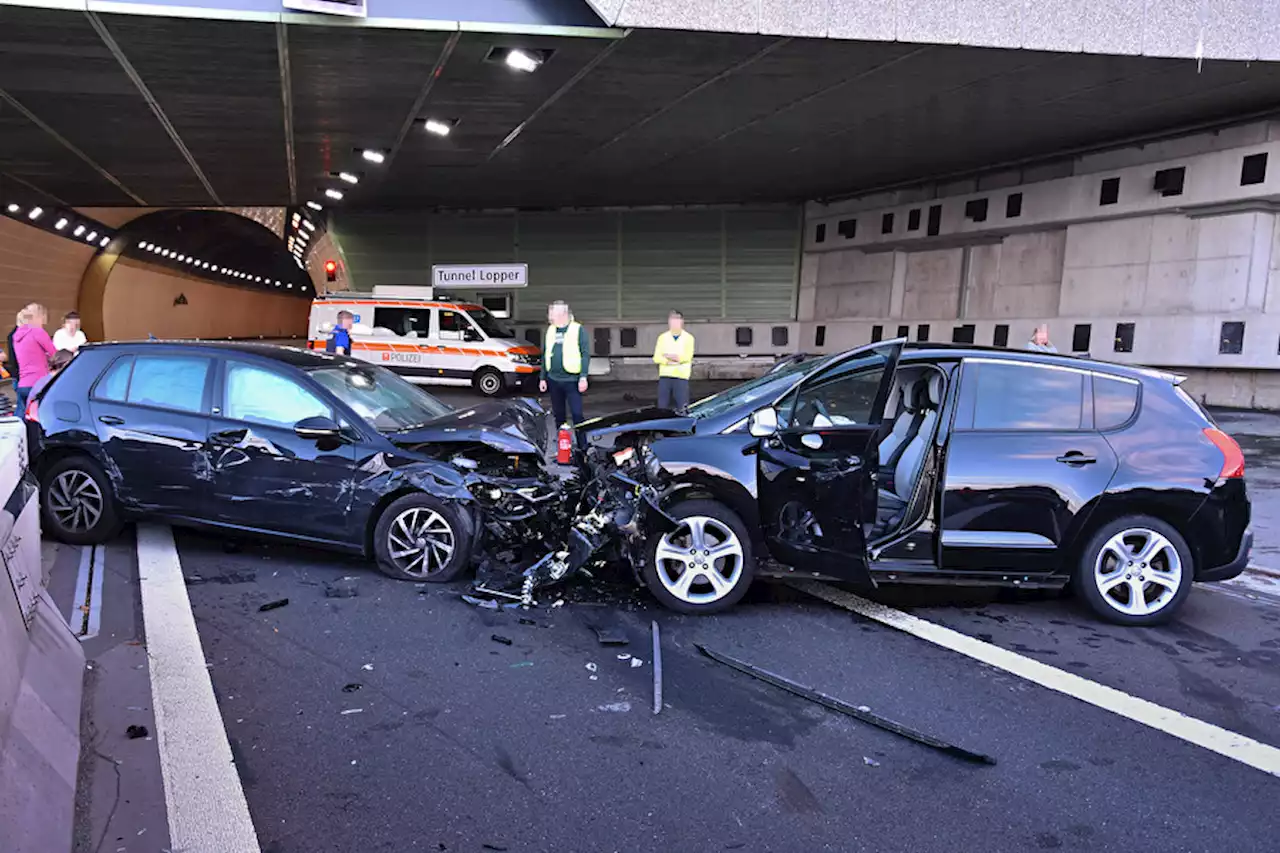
{"x": 41, "y": 674}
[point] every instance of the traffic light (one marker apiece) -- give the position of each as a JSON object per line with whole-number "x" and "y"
{"x": 330, "y": 271}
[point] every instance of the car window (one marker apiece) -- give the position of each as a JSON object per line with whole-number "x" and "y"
{"x": 1027, "y": 396}
{"x": 263, "y": 397}
{"x": 406, "y": 322}
{"x": 383, "y": 399}
{"x": 846, "y": 397}
{"x": 169, "y": 382}
{"x": 454, "y": 326}
{"x": 1113, "y": 401}
{"x": 114, "y": 384}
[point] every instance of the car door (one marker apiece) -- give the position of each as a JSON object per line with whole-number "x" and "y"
{"x": 817, "y": 474}
{"x": 457, "y": 351}
{"x": 151, "y": 415}
{"x": 267, "y": 477}
{"x": 1023, "y": 462}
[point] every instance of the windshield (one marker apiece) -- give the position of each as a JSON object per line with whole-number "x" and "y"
{"x": 489, "y": 323}
{"x": 718, "y": 404}
{"x": 383, "y": 399}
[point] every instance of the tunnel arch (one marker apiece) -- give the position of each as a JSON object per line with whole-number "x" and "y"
{"x": 195, "y": 273}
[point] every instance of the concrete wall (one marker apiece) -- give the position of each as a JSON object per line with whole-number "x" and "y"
{"x": 36, "y": 266}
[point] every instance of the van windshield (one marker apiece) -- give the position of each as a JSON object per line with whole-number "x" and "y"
{"x": 489, "y": 324}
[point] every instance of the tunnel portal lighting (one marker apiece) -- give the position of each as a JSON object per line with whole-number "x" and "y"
{"x": 314, "y": 206}
{"x": 438, "y": 127}
{"x": 36, "y": 213}
{"x": 521, "y": 61}
{"x": 79, "y": 230}
{"x": 373, "y": 156}
{"x": 61, "y": 223}
{"x": 13, "y": 208}
{"x": 336, "y": 195}
{"x": 346, "y": 176}
{"x": 93, "y": 235}
{"x": 105, "y": 241}
{"x": 306, "y": 223}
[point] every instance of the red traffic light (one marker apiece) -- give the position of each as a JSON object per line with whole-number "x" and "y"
{"x": 331, "y": 270}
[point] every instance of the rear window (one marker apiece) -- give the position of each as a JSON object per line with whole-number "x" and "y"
{"x": 1114, "y": 401}
{"x": 1027, "y": 397}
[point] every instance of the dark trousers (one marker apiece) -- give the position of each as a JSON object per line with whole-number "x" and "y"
{"x": 21, "y": 395}
{"x": 673, "y": 393}
{"x": 565, "y": 394}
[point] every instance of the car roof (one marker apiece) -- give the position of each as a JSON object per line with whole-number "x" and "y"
{"x": 926, "y": 351}
{"x": 292, "y": 356}
{"x": 395, "y": 302}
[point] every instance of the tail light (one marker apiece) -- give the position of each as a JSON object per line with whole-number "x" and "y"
{"x": 33, "y": 410}
{"x": 1232, "y": 457}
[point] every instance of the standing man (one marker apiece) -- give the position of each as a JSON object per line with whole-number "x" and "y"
{"x": 1040, "y": 340}
{"x": 674, "y": 356}
{"x": 340, "y": 338}
{"x": 565, "y": 359}
{"x": 69, "y": 338}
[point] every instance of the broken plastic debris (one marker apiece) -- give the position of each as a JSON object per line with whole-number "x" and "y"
{"x": 135, "y": 732}
{"x": 522, "y": 663}
{"x": 615, "y": 707}
{"x": 870, "y": 762}
{"x": 273, "y": 605}
{"x": 368, "y": 667}
{"x": 624, "y": 657}
{"x": 558, "y": 716}
{"x": 352, "y": 687}
{"x": 657, "y": 668}
{"x": 353, "y": 711}
{"x": 592, "y": 667}
{"x": 559, "y": 603}
{"x": 498, "y": 638}
{"x": 486, "y": 603}
{"x": 635, "y": 662}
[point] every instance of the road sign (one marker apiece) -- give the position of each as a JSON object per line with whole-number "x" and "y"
{"x": 480, "y": 276}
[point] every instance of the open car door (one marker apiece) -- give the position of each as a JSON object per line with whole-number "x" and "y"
{"x": 818, "y": 469}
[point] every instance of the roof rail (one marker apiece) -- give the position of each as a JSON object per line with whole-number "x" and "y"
{"x": 369, "y": 296}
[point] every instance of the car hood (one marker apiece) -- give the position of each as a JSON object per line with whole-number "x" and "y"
{"x": 648, "y": 419}
{"x": 515, "y": 426}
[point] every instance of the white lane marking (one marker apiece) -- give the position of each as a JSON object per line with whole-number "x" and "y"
{"x": 1227, "y": 743}
{"x": 98, "y": 560}
{"x": 207, "y": 809}
{"x": 76, "y": 616}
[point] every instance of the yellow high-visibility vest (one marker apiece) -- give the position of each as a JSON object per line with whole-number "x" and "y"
{"x": 667, "y": 342}
{"x": 572, "y": 347}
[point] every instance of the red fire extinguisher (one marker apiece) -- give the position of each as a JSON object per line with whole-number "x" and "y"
{"x": 564, "y": 446}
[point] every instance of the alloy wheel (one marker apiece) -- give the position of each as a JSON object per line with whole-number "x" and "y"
{"x": 76, "y": 501}
{"x": 420, "y": 542}
{"x": 490, "y": 383}
{"x": 1138, "y": 571}
{"x": 701, "y": 561}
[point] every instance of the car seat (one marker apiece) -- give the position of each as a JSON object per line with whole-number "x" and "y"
{"x": 892, "y": 503}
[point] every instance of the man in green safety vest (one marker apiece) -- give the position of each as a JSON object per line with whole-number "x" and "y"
{"x": 673, "y": 353}
{"x": 565, "y": 359}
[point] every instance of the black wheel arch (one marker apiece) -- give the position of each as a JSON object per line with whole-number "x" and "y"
{"x": 1176, "y": 508}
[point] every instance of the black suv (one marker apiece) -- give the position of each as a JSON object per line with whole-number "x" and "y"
{"x": 923, "y": 463}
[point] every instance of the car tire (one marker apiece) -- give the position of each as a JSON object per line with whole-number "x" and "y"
{"x": 488, "y": 381}
{"x": 78, "y": 503}
{"x": 709, "y": 585}
{"x": 1135, "y": 571}
{"x": 422, "y": 538}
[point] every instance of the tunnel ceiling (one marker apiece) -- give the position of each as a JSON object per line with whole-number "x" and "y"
{"x": 100, "y": 109}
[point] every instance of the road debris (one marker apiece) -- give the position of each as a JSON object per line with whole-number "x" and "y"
{"x": 522, "y": 664}
{"x": 657, "y": 668}
{"x": 368, "y": 667}
{"x": 608, "y": 634}
{"x": 353, "y": 711}
{"x": 274, "y": 605}
{"x": 636, "y": 663}
{"x": 624, "y": 657}
{"x": 591, "y": 667}
{"x": 559, "y": 603}
{"x": 352, "y": 687}
{"x": 136, "y": 732}
{"x": 859, "y": 713}
{"x": 615, "y": 707}
{"x": 498, "y": 638}
{"x": 344, "y": 587}
{"x": 870, "y": 762}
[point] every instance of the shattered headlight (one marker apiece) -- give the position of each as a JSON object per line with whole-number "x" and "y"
{"x": 652, "y": 465}
{"x": 486, "y": 492}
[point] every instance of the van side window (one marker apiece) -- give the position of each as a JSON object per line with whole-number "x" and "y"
{"x": 405, "y": 322}
{"x": 454, "y": 326}
{"x": 1113, "y": 401}
{"x": 1026, "y": 397}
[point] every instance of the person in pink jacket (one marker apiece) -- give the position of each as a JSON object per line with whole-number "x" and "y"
{"x": 34, "y": 348}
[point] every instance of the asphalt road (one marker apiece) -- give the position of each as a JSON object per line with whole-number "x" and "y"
{"x": 452, "y": 740}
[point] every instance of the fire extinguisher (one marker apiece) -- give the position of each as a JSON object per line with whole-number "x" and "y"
{"x": 564, "y": 446}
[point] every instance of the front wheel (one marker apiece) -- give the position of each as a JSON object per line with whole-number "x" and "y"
{"x": 488, "y": 381}
{"x": 77, "y": 503}
{"x": 705, "y": 565}
{"x": 1135, "y": 571}
{"x": 421, "y": 538}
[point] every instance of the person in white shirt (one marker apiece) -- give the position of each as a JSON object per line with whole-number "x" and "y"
{"x": 69, "y": 337}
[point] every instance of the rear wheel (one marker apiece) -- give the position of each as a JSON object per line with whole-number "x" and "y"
{"x": 77, "y": 502}
{"x": 421, "y": 538}
{"x": 1135, "y": 570}
{"x": 488, "y": 381}
{"x": 703, "y": 566}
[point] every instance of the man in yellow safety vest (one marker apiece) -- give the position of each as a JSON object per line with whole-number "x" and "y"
{"x": 565, "y": 359}
{"x": 674, "y": 356}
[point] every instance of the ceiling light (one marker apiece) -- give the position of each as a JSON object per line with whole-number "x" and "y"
{"x": 314, "y": 206}
{"x": 206, "y": 264}
{"x": 296, "y": 217}
{"x": 257, "y": 278}
{"x": 79, "y": 230}
{"x": 144, "y": 246}
{"x": 156, "y": 248}
{"x": 438, "y": 127}
{"x": 521, "y": 61}
{"x": 93, "y": 235}
{"x": 61, "y": 223}
{"x": 36, "y": 213}
{"x": 13, "y": 208}
{"x": 105, "y": 241}
{"x": 346, "y": 176}
{"x": 291, "y": 287}
{"x": 373, "y": 156}
{"x": 336, "y": 195}
{"x": 306, "y": 223}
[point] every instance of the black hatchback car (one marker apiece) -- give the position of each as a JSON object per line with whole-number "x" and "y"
{"x": 320, "y": 449}
{"x": 921, "y": 463}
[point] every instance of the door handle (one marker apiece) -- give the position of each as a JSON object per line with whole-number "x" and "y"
{"x": 811, "y": 440}
{"x": 1075, "y": 457}
{"x": 110, "y": 420}
{"x": 229, "y": 436}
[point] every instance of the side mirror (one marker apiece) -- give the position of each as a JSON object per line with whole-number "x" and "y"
{"x": 763, "y": 423}
{"x": 472, "y": 336}
{"x": 317, "y": 428}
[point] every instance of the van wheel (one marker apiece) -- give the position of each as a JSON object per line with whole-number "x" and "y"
{"x": 703, "y": 566}
{"x": 1135, "y": 571}
{"x": 488, "y": 381}
{"x": 422, "y": 538}
{"x": 77, "y": 502}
